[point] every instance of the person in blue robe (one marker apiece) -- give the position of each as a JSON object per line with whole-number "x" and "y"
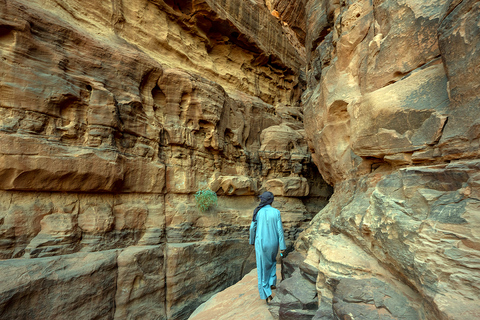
{"x": 266, "y": 233}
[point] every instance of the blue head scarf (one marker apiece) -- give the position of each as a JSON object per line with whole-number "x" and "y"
{"x": 266, "y": 198}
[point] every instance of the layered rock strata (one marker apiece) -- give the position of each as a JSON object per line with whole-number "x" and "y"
{"x": 391, "y": 110}
{"x": 113, "y": 114}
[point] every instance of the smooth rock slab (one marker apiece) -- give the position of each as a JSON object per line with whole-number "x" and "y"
{"x": 77, "y": 286}
{"x": 240, "y": 301}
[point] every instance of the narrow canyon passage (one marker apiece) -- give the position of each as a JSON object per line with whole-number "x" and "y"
{"x": 360, "y": 116}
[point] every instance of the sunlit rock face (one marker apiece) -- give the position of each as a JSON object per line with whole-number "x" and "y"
{"x": 112, "y": 115}
{"x": 391, "y": 115}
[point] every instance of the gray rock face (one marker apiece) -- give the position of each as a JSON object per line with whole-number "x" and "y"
{"x": 371, "y": 299}
{"x": 296, "y": 296}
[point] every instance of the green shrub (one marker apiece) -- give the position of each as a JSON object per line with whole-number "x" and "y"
{"x": 205, "y": 199}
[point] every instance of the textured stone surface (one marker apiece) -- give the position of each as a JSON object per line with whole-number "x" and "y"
{"x": 414, "y": 227}
{"x": 384, "y": 99}
{"x": 390, "y": 114}
{"x": 140, "y": 283}
{"x": 371, "y": 299}
{"x": 296, "y": 298}
{"x": 221, "y": 263}
{"x": 42, "y": 288}
{"x": 112, "y": 115}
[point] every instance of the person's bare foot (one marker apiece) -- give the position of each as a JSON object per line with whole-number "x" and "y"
{"x": 270, "y": 298}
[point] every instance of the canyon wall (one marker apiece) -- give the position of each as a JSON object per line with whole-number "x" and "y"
{"x": 391, "y": 115}
{"x": 112, "y": 115}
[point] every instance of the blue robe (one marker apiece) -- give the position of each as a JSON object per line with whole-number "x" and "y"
{"x": 267, "y": 238}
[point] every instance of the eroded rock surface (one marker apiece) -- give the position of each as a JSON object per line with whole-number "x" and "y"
{"x": 390, "y": 114}
{"x": 112, "y": 115}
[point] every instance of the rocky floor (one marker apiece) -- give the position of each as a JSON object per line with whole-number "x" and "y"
{"x": 240, "y": 301}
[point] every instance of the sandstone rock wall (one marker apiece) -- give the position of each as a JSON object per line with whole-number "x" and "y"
{"x": 112, "y": 115}
{"x": 391, "y": 115}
